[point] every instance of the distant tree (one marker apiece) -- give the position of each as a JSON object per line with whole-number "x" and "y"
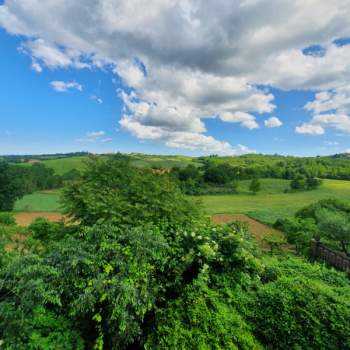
{"x": 255, "y": 185}
{"x": 313, "y": 183}
{"x": 298, "y": 183}
{"x": 11, "y": 186}
{"x": 220, "y": 174}
{"x": 335, "y": 225}
{"x": 234, "y": 186}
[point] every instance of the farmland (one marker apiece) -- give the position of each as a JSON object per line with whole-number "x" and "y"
{"x": 121, "y": 237}
{"x": 268, "y": 205}
{"x": 63, "y": 165}
{"x": 39, "y": 202}
{"x": 272, "y": 203}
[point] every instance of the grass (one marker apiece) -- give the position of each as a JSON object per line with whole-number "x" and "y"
{"x": 266, "y": 206}
{"x": 272, "y": 203}
{"x": 39, "y": 202}
{"x": 63, "y": 165}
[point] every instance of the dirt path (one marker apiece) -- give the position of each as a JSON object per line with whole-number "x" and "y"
{"x": 24, "y": 219}
{"x": 258, "y": 230}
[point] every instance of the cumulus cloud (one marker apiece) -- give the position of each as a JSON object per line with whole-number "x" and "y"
{"x": 310, "y": 129}
{"x": 331, "y": 109}
{"x": 182, "y": 62}
{"x": 62, "y": 86}
{"x": 273, "y": 122}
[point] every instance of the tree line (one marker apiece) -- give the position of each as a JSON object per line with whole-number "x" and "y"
{"x": 16, "y": 181}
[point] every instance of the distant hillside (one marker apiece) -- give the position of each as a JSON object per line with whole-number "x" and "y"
{"x": 63, "y": 163}
{"x": 334, "y": 166}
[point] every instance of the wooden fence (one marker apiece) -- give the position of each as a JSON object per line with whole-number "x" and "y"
{"x": 331, "y": 257}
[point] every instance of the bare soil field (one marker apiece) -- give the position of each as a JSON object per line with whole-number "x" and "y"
{"x": 258, "y": 230}
{"x": 24, "y": 219}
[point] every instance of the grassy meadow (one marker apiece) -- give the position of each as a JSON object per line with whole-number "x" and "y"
{"x": 64, "y": 165}
{"x": 39, "y": 202}
{"x": 271, "y": 202}
{"x": 268, "y": 205}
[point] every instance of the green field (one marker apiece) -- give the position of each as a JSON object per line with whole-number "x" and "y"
{"x": 271, "y": 203}
{"x": 63, "y": 165}
{"x": 267, "y": 206}
{"x": 39, "y": 201}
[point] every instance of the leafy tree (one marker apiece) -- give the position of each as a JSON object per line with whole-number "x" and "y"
{"x": 11, "y": 186}
{"x": 335, "y": 226}
{"x": 298, "y": 183}
{"x": 255, "y": 185}
{"x": 235, "y": 186}
{"x": 299, "y": 232}
{"x": 113, "y": 190}
{"x": 275, "y": 242}
{"x": 220, "y": 174}
{"x": 312, "y": 183}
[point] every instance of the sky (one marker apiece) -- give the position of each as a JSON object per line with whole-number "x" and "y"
{"x": 175, "y": 76}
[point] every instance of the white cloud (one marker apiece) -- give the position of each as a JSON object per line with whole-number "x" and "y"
{"x": 273, "y": 122}
{"x": 185, "y": 61}
{"x": 332, "y": 143}
{"x": 95, "y": 136}
{"x": 310, "y": 129}
{"x": 245, "y": 119}
{"x": 181, "y": 139}
{"x": 36, "y": 67}
{"x": 62, "y": 86}
{"x": 331, "y": 109}
{"x": 97, "y": 99}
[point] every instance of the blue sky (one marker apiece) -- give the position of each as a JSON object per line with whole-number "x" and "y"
{"x": 64, "y": 88}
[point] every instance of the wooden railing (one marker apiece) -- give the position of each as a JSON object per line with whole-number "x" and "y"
{"x": 331, "y": 257}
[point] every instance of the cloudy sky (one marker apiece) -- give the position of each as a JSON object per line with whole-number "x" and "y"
{"x": 175, "y": 76}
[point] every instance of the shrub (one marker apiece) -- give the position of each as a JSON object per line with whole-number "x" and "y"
{"x": 200, "y": 319}
{"x": 45, "y": 230}
{"x": 299, "y": 313}
{"x": 7, "y": 219}
{"x": 255, "y": 186}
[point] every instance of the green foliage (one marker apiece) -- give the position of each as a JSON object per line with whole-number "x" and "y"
{"x": 299, "y": 313}
{"x": 332, "y": 204}
{"x": 275, "y": 242}
{"x": 11, "y": 186}
{"x": 142, "y": 268}
{"x": 200, "y": 319}
{"x": 334, "y": 225}
{"x": 299, "y": 232}
{"x": 7, "y": 219}
{"x": 302, "y": 183}
{"x": 291, "y": 266}
{"x": 235, "y": 186}
{"x": 45, "y": 230}
{"x": 112, "y": 190}
{"x": 255, "y": 185}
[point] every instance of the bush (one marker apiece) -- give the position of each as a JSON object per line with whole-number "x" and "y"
{"x": 299, "y": 313}
{"x": 200, "y": 319}
{"x": 45, "y": 230}
{"x": 255, "y": 186}
{"x": 7, "y": 219}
